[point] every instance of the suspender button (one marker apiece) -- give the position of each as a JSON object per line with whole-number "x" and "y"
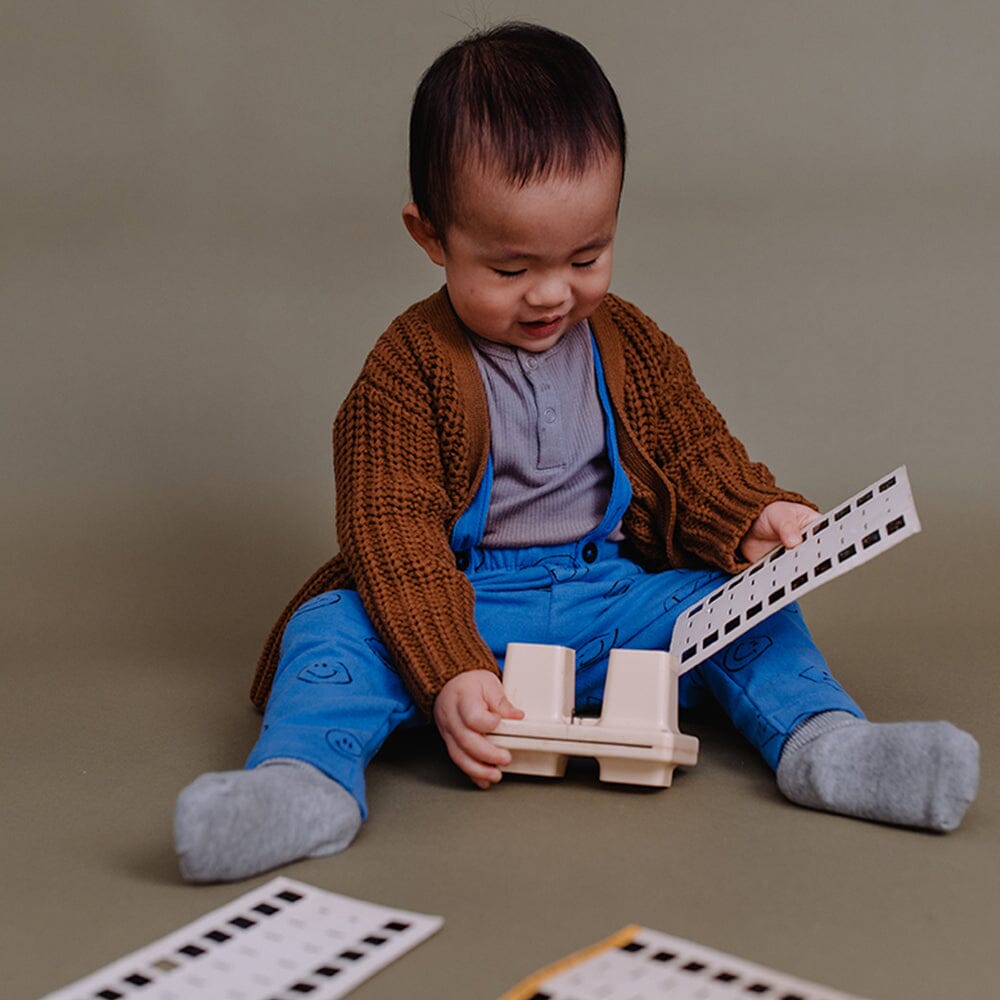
{"x": 462, "y": 561}
{"x": 589, "y": 552}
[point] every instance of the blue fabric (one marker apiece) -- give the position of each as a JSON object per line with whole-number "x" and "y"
{"x": 336, "y": 696}
{"x": 470, "y": 526}
{"x": 621, "y": 488}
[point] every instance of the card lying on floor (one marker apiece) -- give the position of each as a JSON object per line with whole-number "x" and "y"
{"x": 642, "y": 964}
{"x": 281, "y": 941}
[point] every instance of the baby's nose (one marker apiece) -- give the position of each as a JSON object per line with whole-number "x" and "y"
{"x": 548, "y": 292}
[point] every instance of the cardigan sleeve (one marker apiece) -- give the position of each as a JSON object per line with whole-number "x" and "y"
{"x": 393, "y": 439}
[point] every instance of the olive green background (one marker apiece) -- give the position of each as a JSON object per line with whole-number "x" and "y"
{"x": 199, "y": 242}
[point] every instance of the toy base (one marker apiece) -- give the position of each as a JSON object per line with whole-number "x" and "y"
{"x": 625, "y": 756}
{"x": 539, "y": 763}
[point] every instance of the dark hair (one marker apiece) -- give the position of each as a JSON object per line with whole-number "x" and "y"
{"x": 531, "y": 99}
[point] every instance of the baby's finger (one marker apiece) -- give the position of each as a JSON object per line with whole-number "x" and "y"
{"x": 482, "y": 750}
{"x": 791, "y": 536}
{"x": 482, "y": 773}
{"x": 793, "y": 532}
{"x": 478, "y": 716}
{"x": 506, "y": 709}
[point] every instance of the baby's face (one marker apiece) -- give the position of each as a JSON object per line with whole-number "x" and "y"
{"x": 524, "y": 264}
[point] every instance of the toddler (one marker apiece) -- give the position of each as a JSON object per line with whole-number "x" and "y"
{"x": 526, "y": 456}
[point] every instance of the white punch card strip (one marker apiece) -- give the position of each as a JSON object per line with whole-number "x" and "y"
{"x": 852, "y": 533}
{"x": 282, "y": 941}
{"x": 642, "y": 964}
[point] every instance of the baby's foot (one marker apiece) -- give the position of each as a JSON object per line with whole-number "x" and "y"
{"x": 921, "y": 774}
{"x": 233, "y": 824}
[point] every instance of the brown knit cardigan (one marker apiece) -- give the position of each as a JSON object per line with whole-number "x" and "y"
{"x": 410, "y": 447}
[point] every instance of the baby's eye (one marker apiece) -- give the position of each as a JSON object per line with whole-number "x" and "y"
{"x": 584, "y": 263}
{"x": 508, "y": 274}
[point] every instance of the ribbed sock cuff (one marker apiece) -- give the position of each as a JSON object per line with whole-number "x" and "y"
{"x": 815, "y": 726}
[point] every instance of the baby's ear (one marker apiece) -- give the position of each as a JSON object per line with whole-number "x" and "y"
{"x": 423, "y": 233}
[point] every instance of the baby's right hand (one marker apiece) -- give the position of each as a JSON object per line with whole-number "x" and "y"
{"x": 468, "y": 706}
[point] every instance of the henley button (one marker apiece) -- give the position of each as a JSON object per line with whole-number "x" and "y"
{"x": 589, "y": 552}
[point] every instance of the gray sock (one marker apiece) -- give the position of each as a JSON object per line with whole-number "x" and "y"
{"x": 233, "y": 824}
{"x": 921, "y": 774}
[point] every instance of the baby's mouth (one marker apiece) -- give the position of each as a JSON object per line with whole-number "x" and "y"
{"x": 541, "y": 327}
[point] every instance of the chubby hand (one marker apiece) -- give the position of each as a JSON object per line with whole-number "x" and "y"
{"x": 779, "y": 523}
{"x": 468, "y": 706}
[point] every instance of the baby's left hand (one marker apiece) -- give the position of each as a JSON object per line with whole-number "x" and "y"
{"x": 779, "y": 523}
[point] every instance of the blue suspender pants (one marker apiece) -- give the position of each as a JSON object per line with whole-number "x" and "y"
{"x": 336, "y": 697}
